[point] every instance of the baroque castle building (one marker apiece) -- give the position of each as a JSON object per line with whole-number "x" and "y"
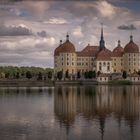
{"x": 96, "y": 58}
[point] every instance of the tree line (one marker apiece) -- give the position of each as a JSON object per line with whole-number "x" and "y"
{"x": 11, "y": 72}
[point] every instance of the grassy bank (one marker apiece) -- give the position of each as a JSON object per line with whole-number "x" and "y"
{"x": 120, "y": 82}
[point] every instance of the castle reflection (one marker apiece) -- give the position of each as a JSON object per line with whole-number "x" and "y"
{"x": 97, "y": 103}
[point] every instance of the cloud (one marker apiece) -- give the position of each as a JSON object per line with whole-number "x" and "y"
{"x": 77, "y": 32}
{"x": 42, "y": 33}
{"x": 28, "y": 51}
{"x": 106, "y": 9}
{"x": 56, "y": 21}
{"x": 127, "y": 27}
{"x": 14, "y": 31}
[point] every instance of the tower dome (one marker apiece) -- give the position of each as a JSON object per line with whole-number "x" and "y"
{"x": 67, "y": 46}
{"x": 118, "y": 51}
{"x": 131, "y": 47}
{"x": 58, "y": 49}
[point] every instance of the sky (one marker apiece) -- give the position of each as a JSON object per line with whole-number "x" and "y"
{"x": 30, "y": 30}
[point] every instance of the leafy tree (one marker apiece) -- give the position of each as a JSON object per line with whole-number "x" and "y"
{"x": 94, "y": 74}
{"x": 17, "y": 76}
{"x": 7, "y": 75}
{"x": 98, "y": 73}
{"x": 78, "y": 75}
{"x": 59, "y": 75}
{"x": 124, "y": 75}
{"x": 86, "y": 75}
{"x": 50, "y": 75}
{"x": 139, "y": 72}
{"x": 67, "y": 74}
{"x": 40, "y": 76}
{"x": 28, "y": 75}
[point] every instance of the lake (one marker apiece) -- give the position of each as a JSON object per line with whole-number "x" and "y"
{"x": 70, "y": 113}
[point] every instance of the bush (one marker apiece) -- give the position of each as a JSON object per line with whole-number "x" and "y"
{"x": 124, "y": 75}
{"x": 59, "y": 75}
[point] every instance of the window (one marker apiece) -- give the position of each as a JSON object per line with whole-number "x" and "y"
{"x": 72, "y": 71}
{"x": 104, "y": 63}
{"x": 72, "y": 63}
{"x": 100, "y": 68}
{"x": 114, "y": 64}
{"x": 62, "y": 63}
{"x": 108, "y": 68}
{"x": 67, "y": 63}
{"x": 100, "y": 78}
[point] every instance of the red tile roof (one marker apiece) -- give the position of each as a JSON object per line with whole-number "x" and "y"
{"x": 104, "y": 55}
{"x": 118, "y": 51}
{"x": 89, "y": 51}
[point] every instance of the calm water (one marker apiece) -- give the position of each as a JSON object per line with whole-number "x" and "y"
{"x": 70, "y": 113}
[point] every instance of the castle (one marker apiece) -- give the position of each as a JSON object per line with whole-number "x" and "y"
{"x": 96, "y": 58}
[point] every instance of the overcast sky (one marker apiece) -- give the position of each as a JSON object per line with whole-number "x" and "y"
{"x": 31, "y": 30}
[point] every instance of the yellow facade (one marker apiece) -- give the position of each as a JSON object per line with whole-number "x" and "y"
{"x": 117, "y": 64}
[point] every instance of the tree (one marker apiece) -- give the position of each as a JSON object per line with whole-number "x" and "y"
{"x": 67, "y": 74}
{"x": 124, "y": 75}
{"x": 40, "y": 76}
{"x": 139, "y": 72}
{"x": 59, "y": 75}
{"x": 94, "y": 74}
{"x": 49, "y": 75}
{"x": 98, "y": 73}
{"x": 17, "y": 75}
{"x": 86, "y": 75}
{"x": 7, "y": 75}
{"x": 28, "y": 75}
{"x": 78, "y": 75}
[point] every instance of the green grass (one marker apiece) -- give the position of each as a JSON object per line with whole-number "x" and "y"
{"x": 120, "y": 82}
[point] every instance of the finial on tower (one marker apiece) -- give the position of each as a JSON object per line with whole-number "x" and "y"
{"x": 119, "y": 42}
{"x": 67, "y": 37}
{"x": 131, "y": 37}
{"x": 102, "y": 35}
{"x": 60, "y": 42}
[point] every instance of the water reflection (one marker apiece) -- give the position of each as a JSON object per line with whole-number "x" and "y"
{"x": 99, "y": 103}
{"x": 70, "y": 113}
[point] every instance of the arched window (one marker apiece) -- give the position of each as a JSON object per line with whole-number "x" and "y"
{"x": 104, "y": 63}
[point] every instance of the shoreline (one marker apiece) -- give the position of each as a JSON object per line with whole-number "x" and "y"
{"x": 39, "y": 83}
{"x": 25, "y": 83}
